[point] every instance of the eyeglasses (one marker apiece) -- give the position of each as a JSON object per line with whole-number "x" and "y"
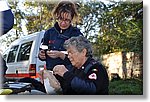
{"x": 60, "y": 19}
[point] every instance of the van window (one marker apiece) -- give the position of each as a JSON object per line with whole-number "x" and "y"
{"x": 24, "y": 52}
{"x": 5, "y": 54}
{"x": 12, "y": 54}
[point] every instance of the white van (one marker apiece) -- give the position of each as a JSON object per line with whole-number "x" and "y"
{"x": 22, "y": 59}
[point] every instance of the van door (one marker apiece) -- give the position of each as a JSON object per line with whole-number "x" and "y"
{"x": 23, "y": 59}
{"x": 11, "y": 61}
{"x": 39, "y": 64}
{"x": 18, "y": 61}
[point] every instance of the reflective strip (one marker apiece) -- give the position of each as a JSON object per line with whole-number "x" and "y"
{"x": 21, "y": 75}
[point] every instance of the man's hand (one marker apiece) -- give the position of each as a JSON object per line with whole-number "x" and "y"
{"x": 60, "y": 70}
{"x": 41, "y": 76}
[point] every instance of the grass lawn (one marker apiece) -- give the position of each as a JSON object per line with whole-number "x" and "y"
{"x": 126, "y": 87}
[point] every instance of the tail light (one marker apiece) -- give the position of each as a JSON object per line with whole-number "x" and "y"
{"x": 32, "y": 70}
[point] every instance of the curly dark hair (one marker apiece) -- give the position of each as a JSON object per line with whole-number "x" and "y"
{"x": 65, "y": 7}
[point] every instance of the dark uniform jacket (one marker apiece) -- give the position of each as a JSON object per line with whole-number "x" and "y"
{"x": 91, "y": 79}
{"x": 55, "y": 39}
{"x": 3, "y": 68}
{"x": 8, "y": 21}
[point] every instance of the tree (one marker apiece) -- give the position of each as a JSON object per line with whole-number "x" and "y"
{"x": 90, "y": 13}
{"x": 120, "y": 30}
{"x": 42, "y": 19}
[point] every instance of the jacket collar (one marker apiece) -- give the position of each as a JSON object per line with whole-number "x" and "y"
{"x": 56, "y": 26}
{"x": 86, "y": 63}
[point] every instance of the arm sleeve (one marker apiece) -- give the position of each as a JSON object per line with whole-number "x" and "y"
{"x": 79, "y": 32}
{"x": 76, "y": 32}
{"x": 7, "y": 17}
{"x": 3, "y": 64}
{"x": 79, "y": 85}
{"x": 8, "y": 21}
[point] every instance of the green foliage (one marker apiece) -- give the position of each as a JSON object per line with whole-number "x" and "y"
{"x": 90, "y": 13}
{"x": 126, "y": 87}
{"x": 19, "y": 15}
{"x": 43, "y": 19}
{"x": 120, "y": 29}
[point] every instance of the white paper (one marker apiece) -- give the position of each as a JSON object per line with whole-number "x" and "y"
{"x": 65, "y": 52}
{"x": 49, "y": 89}
{"x": 44, "y": 47}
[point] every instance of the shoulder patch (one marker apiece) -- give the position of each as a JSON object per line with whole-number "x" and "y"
{"x": 92, "y": 76}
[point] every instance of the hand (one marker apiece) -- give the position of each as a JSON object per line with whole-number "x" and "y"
{"x": 41, "y": 76}
{"x": 52, "y": 80}
{"x": 55, "y": 54}
{"x": 42, "y": 54}
{"x": 60, "y": 70}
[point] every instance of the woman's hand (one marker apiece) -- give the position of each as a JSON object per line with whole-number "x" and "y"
{"x": 60, "y": 70}
{"x": 42, "y": 55}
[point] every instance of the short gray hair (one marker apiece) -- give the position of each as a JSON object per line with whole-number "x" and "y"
{"x": 80, "y": 43}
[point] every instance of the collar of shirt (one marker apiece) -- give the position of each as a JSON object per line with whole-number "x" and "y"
{"x": 59, "y": 29}
{"x": 86, "y": 63}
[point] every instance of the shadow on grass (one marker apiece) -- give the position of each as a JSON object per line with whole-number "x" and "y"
{"x": 126, "y": 87}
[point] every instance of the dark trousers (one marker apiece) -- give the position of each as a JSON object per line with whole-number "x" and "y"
{"x": 36, "y": 84}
